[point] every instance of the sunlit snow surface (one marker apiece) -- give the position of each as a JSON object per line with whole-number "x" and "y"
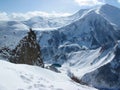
{"x": 86, "y": 61}
{"x": 25, "y": 77}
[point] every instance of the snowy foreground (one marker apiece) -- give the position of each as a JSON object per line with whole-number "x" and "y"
{"x": 26, "y": 77}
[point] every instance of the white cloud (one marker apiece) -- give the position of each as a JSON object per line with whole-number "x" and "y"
{"x": 3, "y": 16}
{"x": 24, "y": 16}
{"x": 89, "y": 2}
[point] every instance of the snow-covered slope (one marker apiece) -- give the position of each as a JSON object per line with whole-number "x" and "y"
{"x": 15, "y": 25}
{"x": 25, "y": 77}
{"x": 53, "y": 22}
{"x": 10, "y": 37}
{"x": 42, "y": 22}
{"x": 107, "y": 76}
{"x": 85, "y": 61}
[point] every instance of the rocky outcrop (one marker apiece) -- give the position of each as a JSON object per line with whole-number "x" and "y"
{"x": 5, "y": 53}
{"x": 27, "y": 51}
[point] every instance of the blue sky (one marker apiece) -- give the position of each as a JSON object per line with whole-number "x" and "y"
{"x": 25, "y": 9}
{"x": 69, "y": 6}
{"x": 38, "y": 5}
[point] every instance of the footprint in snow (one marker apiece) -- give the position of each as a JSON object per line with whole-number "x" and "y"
{"x": 38, "y": 85}
{"x": 26, "y": 79}
{"x": 58, "y": 89}
{"x": 29, "y": 87}
{"x": 20, "y": 89}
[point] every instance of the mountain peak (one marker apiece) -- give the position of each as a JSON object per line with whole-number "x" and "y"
{"x": 108, "y": 7}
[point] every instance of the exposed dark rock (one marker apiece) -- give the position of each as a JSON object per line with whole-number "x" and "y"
{"x": 53, "y": 68}
{"x": 56, "y": 65}
{"x": 75, "y": 79}
{"x": 5, "y": 53}
{"x": 27, "y": 51}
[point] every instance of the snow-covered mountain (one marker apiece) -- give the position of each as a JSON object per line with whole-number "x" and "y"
{"x": 53, "y": 22}
{"x": 42, "y": 22}
{"x": 56, "y": 22}
{"x": 91, "y": 31}
{"x": 86, "y": 43}
{"x": 71, "y": 45}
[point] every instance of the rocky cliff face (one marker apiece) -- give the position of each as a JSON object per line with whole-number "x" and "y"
{"x": 27, "y": 51}
{"x": 107, "y": 76}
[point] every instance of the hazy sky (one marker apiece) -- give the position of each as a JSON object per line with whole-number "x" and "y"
{"x": 69, "y": 6}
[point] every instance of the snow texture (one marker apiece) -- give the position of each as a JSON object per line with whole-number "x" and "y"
{"x": 25, "y": 77}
